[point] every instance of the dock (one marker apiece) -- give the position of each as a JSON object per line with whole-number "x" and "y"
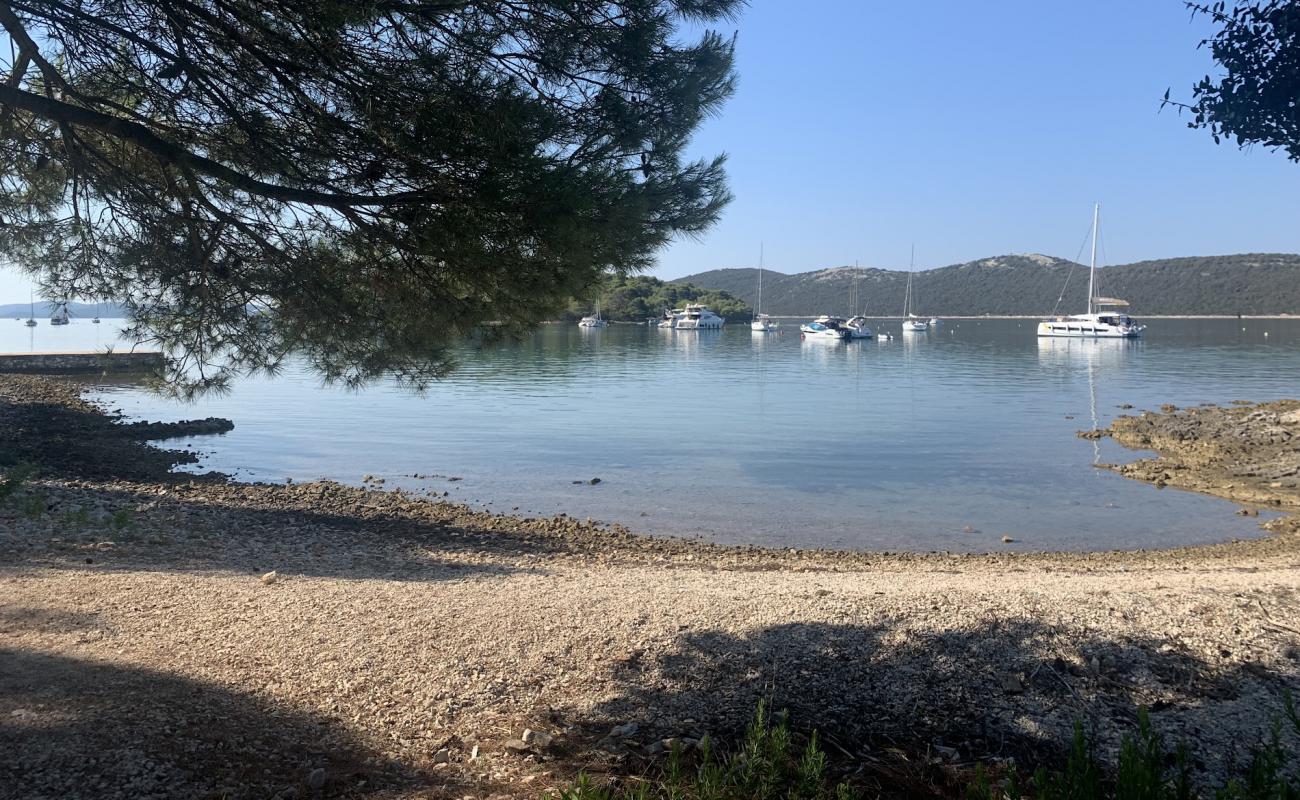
{"x": 81, "y": 362}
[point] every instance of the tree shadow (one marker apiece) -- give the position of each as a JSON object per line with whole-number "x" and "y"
{"x": 75, "y": 728}
{"x": 981, "y": 690}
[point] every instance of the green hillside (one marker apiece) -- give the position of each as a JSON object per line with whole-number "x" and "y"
{"x": 1261, "y": 283}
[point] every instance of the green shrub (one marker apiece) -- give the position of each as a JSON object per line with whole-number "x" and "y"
{"x": 766, "y": 766}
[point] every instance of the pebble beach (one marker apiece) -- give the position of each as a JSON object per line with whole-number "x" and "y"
{"x": 172, "y": 635}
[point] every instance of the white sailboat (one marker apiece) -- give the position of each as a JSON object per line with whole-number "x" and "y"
{"x": 911, "y": 322}
{"x": 593, "y": 321}
{"x": 762, "y": 323}
{"x": 1098, "y": 322}
{"x": 61, "y": 316}
{"x": 856, "y": 324}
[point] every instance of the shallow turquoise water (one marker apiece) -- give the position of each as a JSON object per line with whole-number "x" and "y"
{"x": 741, "y": 437}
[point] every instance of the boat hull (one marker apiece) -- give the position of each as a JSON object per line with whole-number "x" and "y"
{"x": 1075, "y": 330}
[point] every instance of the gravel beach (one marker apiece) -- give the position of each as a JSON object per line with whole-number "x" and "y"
{"x": 166, "y": 635}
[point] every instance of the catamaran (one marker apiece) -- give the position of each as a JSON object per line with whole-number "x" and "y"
{"x": 762, "y": 323}
{"x": 1098, "y": 322}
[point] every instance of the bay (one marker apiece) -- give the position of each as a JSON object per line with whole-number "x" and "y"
{"x": 765, "y": 439}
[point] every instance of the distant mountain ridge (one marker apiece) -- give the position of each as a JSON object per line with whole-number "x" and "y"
{"x": 1029, "y": 284}
{"x": 45, "y": 309}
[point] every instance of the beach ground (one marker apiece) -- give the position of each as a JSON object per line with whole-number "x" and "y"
{"x": 163, "y": 635}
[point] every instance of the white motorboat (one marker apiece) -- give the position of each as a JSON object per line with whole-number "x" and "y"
{"x": 697, "y": 318}
{"x": 911, "y": 322}
{"x": 669, "y": 320}
{"x": 761, "y": 323}
{"x": 825, "y": 327}
{"x": 857, "y": 327}
{"x": 935, "y": 322}
{"x": 1105, "y": 317}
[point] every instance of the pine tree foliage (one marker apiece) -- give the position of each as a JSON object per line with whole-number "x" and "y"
{"x": 356, "y": 180}
{"x": 1256, "y": 97}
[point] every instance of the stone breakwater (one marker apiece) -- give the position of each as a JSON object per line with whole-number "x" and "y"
{"x": 167, "y": 635}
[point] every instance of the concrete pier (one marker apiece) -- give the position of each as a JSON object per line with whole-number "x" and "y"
{"x": 86, "y": 361}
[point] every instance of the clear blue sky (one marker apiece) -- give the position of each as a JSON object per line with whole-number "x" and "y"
{"x": 971, "y": 129}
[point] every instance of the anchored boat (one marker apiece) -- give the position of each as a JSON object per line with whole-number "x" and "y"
{"x": 1105, "y": 317}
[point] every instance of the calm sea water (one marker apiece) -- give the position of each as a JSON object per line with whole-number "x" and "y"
{"x": 741, "y": 437}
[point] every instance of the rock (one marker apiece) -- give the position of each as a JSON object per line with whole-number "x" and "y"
{"x": 515, "y": 746}
{"x": 442, "y": 756}
{"x": 536, "y": 738}
{"x": 1011, "y": 683}
{"x": 623, "y": 731}
{"x": 1007, "y": 540}
{"x": 316, "y": 780}
{"x": 594, "y": 481}
{"x": 1290, "y": 418}
{"x": 270, "y": 578}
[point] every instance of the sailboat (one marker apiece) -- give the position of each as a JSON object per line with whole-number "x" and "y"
{"x": 856, "y": 324}
{"x": 1097, "y": 322}
{"x": 593, "y": 321}
{"x": 96, "y": 319}
{"x": 31, "y": 320}
{"x": 762, "y": 323}
{"x": 60, "y": 315}
{"x": 911, "y": 323}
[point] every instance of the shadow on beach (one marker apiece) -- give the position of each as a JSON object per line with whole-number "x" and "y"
{"x": 74, "y": 728}
{"x": 894, "y": 703}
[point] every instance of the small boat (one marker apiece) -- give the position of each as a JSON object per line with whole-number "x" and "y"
{"x": 698, "y": 318}
{"x": 761, "y": 323}
{"x": 96, "y": 319}
{"x": 825, "y": 327}
{"x": 31, "y": 320}
{"x": 669, "y": 319}
{"x": 911, "y": 322}
{"x": 935, "y": 322}
{"x": 593, "y": 321}
{"x": 60, "y": 316}
{"x": 1097, "y": 322}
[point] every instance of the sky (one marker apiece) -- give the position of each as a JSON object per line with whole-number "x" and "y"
{"x": 862, "y": 127}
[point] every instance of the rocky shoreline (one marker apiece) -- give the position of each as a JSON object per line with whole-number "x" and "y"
{"x": 171, "y": 635}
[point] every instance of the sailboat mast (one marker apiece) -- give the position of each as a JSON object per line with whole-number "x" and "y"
{"x": 758, "y": 307}
{"x": 1092, "y": 271}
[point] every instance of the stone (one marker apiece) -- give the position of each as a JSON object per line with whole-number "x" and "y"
{"x": 442, "y": 756}
{"x": 1007, "y": 540}
{"x": 516, "y": 746}
{"x": 621, "y": 731}
{"x": 270, "y": 578}
{"x": 594, "y": 481}
{"x": 473, "y": 753}
{"x": 536, "y": 738}
{"x": 316, "y": 780}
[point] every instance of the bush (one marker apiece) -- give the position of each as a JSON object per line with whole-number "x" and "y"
{"x": 766, "y": 766}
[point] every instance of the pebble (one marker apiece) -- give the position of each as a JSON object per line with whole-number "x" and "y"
{"x": 270, "y": 578}
{"x": 316, "y": 780}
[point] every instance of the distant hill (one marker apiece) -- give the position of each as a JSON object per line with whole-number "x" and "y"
{"x": 76, "y": 310}
{"x": 1257, "y": 283}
